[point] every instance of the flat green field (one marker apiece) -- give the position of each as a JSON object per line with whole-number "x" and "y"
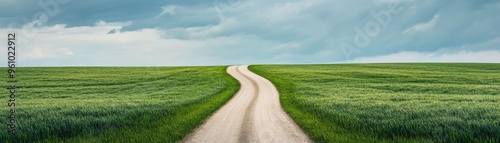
{"x": 114, "y": 104}
{"x": 391, "y": 102}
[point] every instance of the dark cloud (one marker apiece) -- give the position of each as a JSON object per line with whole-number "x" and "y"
{"x": 87, "y": 12}
{"x": 479, "y": 4}
{"x": 285, "y": 30}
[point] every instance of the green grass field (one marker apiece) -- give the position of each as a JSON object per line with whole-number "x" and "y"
{"x": 391, "y": 102}
{"x": 114, "y": 104}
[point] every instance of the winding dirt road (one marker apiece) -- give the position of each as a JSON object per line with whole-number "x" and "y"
{"x": 254, "y": 114}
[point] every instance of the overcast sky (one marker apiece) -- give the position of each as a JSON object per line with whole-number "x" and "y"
{"x": 222, "y": 32}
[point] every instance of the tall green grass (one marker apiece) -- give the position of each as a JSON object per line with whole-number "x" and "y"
{"x": 391, "y": 102}
{"x": 115, "y": 104}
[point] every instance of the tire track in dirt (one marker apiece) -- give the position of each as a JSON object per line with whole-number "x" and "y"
{"x": 254, "y": 114}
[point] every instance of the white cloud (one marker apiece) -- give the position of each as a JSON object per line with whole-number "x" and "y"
{"x": 170, "y": 9}
{"x": 489, "y": 56}
{"x": 59, "y": 45}
{"x": 285, "y": 46}
{"x": 65, "y": 51}
{"x": 41, "y": 52}
{"x": 423, "y": 26}
{"x": 258, "y": 31}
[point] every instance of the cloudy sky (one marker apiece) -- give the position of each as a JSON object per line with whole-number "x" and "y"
{"x": 222, "y": 32}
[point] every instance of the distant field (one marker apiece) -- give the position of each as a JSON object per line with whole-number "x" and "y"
{"x": 112, "y": 104}
{"x": 391, "y": 102}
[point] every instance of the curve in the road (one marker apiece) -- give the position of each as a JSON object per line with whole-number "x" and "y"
{"x": 254, "y": 114}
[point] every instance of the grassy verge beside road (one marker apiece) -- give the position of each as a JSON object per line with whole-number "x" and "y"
{"x": 115, "y": 104}
{"x": 391, "y": 102}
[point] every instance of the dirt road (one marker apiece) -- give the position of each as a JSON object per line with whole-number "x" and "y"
{"x": 254, "y": 114}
